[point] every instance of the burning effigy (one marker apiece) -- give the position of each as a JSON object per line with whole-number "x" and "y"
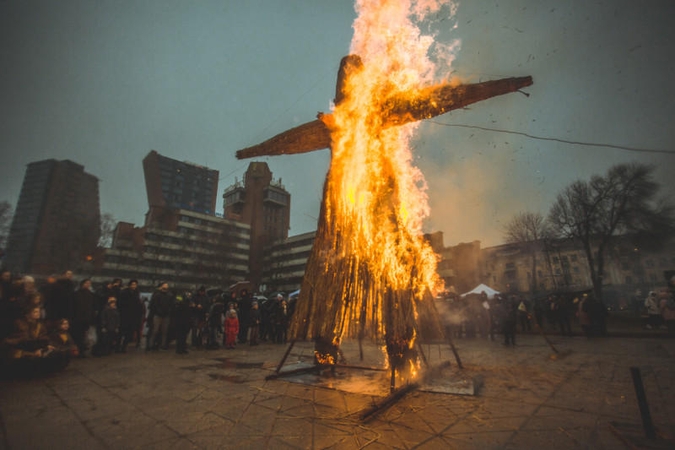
{"x": 371, "y": 274}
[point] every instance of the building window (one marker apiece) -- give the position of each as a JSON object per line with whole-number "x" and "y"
{"x": 573, "y": 258}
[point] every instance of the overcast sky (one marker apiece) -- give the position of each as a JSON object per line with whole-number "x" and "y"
{"x": 104, "y": 82}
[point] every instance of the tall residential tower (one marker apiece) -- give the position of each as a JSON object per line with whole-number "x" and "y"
{"x": 177, "y": 184}
{"x": 57, "y": 219}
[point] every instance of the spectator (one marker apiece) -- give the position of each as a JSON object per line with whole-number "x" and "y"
{"x": 564, "y": 313}
{"x": 59, "y": 304}
{"x": 282, "y": 319}
{"x": 181, "y": 321}
{"x": 667, "y": 305}
{"x": 231, "y": 328}
{"x": 254, "y": 323}
{"x": 83, "y": 314}
{"x": 654, "y": 317}
{"x": 215, "y": 322}
{"x": 584, "y": 313}
{"x": 508, "y": 320}
{"x": 29, "y": 351}
{"x": 161, "y": 304}
{"x": 63, "y": 343}
{"x": 244, "y": 316}
{"x": 10, "y": 307}
{"x": 524, "y": 315}
{"x": 199, "y": 305}
{"x": 110, "y": 327}
{"x": 130, "y": 308}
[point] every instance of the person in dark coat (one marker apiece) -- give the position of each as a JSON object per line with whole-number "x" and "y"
{"x": 565, "y": 308}
{"x": 200, "y": 304}
{"x": 27, "y": 351}
{"x": 181, "y": 321}
{"x": 215, "y": 322}
{"x": 509, "y": 318}
{"x": 130, "y": 308}
{"x": 110, "y": 327}
{"x": 161, "y": 305}
{"x": 60, "y": 298}
{"x": 245, "y": 302}
{"x": 29, "y": 338}
{"x": 599, "y": 317}
{"x": 63, "y": 344}
{"x": 281, "y": 321}
{"x": 254, "y": 323}
{"x": 83, "y": 314}
{"x": 10, "y": 309}
{"x": 62, "y": 341}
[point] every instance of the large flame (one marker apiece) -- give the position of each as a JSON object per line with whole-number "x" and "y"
{"x": 376, "y": 266}
{"x": 375, "y": 195}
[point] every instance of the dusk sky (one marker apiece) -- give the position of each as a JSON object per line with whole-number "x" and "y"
{"x": 104, "y": 82}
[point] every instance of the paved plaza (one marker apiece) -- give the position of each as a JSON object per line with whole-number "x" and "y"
{"x": 221, "y": 399}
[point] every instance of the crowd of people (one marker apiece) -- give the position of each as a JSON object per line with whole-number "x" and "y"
{"x": 42, "y": 328}
{"x": 506, "y": 314}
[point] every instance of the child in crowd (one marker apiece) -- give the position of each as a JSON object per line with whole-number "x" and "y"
{"x": 231, "y": 328}
{"x": 62, "y": 341}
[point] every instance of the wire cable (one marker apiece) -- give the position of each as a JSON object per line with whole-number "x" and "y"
{"x": 564, "y": 141}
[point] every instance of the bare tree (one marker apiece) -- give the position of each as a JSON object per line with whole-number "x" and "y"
{"x": 5, "y": 221}
{"x": 108, "y": 224}
{"x": 622, "y": 201}
{"x": 527, "y": 228}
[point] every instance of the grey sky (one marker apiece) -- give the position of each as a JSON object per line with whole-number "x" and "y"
{"x": 102, "y": 83}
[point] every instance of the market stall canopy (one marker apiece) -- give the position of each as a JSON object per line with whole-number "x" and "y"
{"x": 481, "y": 288}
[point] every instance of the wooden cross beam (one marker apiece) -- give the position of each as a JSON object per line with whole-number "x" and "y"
{"x": 427, "y": 103}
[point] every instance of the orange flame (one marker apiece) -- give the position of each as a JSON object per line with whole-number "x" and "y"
{"x": 374, "y": 194}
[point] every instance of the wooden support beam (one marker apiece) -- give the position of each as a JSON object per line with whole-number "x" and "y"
{"x": 427, "y": 103}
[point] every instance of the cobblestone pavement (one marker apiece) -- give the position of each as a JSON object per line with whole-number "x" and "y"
{"x": 220, "y": 399}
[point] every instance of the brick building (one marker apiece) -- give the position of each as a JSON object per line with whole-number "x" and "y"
{"x": 263, "y": 204}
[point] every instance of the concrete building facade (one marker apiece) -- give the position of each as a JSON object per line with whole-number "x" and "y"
{"x": 562, "y": 265}
{"x": 185, "y": 248}
{"x": 170, "y": 183}
{"x": 285, "y": 261}
{"x": 56, "y": 223}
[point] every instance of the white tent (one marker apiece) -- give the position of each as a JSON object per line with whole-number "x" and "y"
{"x": 480, "y": 288}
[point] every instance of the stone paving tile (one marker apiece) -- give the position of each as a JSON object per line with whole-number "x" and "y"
{"x": 221, "y": 399}
{"x": 480, "y": 441}
{"x": 129, "y": 431}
